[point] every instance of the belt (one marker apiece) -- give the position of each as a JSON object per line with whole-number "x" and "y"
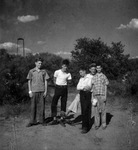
{"x": 85, "y": 91}
{"x": 61, "y": 86}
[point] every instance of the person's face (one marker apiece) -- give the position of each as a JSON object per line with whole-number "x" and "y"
{"x": 99, "y": 69}
{"x": 38, "y": 64}
{"x": 82, "y": 73}
{"x": 64, "y": 68}
{"x": 93, "y": 70}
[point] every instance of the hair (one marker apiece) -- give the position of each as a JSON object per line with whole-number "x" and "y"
{"x": 38, "y": 59}
{"x": 92, "y": 65}
{"x": 83, "y": 68}
{"x": 65, "y": 62}
{"x": 99, "y": 64}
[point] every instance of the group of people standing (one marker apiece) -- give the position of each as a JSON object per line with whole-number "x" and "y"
{"x": 92, "y": 89}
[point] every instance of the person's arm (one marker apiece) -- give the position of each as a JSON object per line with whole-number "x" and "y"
{"x": 30, "y": 88}
{"x": 69, "y": 80}
{"x": 54, "y": 80}
{"x": 29, "y": 85}
{"x": 46, "y": 84}
{"x": 88, "y": 86}
{"x": 55, "y": 77}
{"x": 106, "y": 80}
{"x": 29, "y": 78}
{"x": 45, "y": 92}
{"x": 79, "y": 85}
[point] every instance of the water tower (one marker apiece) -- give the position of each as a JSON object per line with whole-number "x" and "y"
{"x": 20, "y": 43}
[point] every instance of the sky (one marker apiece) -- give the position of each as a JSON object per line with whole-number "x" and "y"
{"x": 54, "y": 25}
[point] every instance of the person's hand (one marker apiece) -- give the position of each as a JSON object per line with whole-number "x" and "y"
{"x": 30, "y": 94}
{"x": 45, "y": 93}
{"x": 86, "y": 88}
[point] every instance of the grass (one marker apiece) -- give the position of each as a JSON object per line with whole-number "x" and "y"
{"x": 113, "y": 99}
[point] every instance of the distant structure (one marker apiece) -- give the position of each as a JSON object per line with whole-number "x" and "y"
{"x": 18, "y": 41}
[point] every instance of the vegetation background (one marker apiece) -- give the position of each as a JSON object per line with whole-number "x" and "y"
{"x": 121, "y": 70}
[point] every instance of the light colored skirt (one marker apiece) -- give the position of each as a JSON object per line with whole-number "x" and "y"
{"x": 75, "y": 104}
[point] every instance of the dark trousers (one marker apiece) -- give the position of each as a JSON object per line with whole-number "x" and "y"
{"x": 85, "y": 100}
{"x": 37, "y": 107}
{"x": 60, "y": 92}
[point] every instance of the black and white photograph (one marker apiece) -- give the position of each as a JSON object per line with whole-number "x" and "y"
{"x": 68, "y": 74}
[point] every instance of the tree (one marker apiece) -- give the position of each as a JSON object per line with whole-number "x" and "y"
{"x": 87, "y": 51}
{"x": 112, "y": 59}
{"x": 118, "y": 62}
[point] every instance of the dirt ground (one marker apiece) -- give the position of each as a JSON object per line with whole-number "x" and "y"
{"x": 121, "y": 134}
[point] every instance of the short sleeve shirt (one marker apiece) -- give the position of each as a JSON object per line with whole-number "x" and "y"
{"x": 37, "y": 79}
{"x": 100, "y": 82}
{"x": 62, "y": 77}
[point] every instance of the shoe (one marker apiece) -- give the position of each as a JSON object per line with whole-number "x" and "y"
{"x": 70, "y": 122}
{"x": 54, "y": 122}
{"x": 96, "y": 127}
{"x": 44, "y": 124}
{"x": 84, "y": 131}
{"x": 62, "y": 123}
{"x": 31, "y": 124}
{"x": 104, "y": 127}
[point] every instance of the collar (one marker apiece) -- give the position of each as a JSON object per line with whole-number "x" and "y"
{"x": 99, "y": 74}
{"x": 34, "y": 69}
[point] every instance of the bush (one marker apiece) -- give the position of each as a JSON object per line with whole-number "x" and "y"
{"x": 132, "y": 82}
{"x": 13, "y": 73}
{"x": 117, "y": 88}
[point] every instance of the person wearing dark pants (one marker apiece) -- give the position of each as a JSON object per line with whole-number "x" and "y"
{"x": 61, "y": 79}
{"x": 37, "y": 85}
{"x": 85, "y": 100}
{"x": 84, "y": 86}
{"x": 60, "y": 91}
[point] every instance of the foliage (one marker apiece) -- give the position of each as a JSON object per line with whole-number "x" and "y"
{"x": 14, "y": 70}
{"x": 116, "y": 65}
{"x": 132, "y": 82}
{"x": 112, "y": 59}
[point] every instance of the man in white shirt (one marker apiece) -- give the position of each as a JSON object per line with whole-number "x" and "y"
{"x": 84, "y": 86}
{"x": 61, "y": 79}
{"x": 73, "y": 107}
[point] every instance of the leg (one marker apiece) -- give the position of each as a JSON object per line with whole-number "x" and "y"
{"x": 64, "y": 101}
{"x": 97, "y": 118}
{"x": 103, "y": 115}
{"x": 54, "y": 106}
{"x": 54, "y": 102}
{"x": 85, "y": 99}
{"x": 63, "y": 106}
{"x": 33, "y": 108}
{"x": 97, "y": 114}
{"x": 41, "y": 107}
{"x": 74, "y": 105}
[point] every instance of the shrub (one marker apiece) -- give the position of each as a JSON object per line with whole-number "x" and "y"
{"x": 117, "y": 88}
{"x": 132, "y": 82}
